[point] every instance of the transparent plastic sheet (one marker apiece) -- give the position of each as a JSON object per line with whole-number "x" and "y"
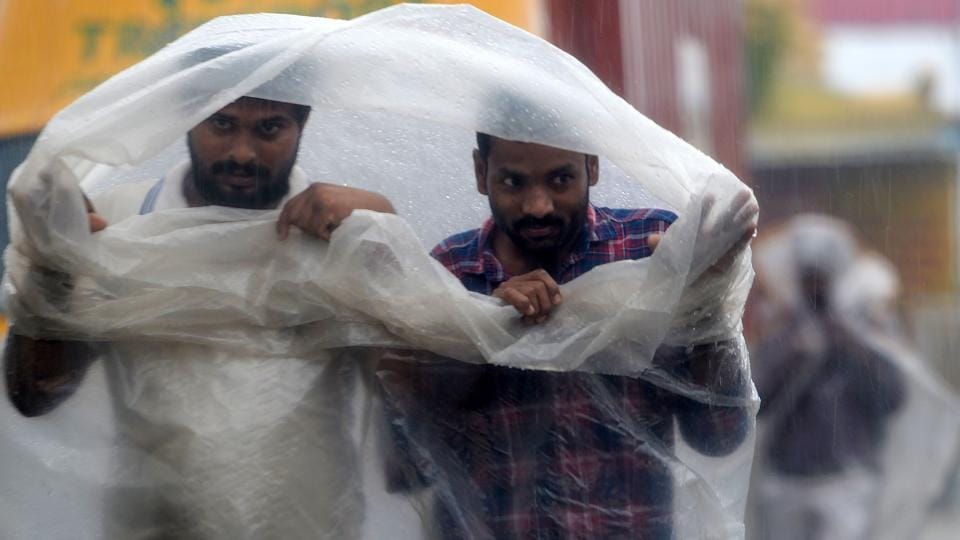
{"x": 253, "y": 388}
{"x": 886, "y": 491}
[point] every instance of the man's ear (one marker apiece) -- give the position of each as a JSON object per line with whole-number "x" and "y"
{"x": 480, "y": 171}
{"x": 593, "y": 170}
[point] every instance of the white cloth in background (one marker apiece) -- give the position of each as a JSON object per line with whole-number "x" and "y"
{"x": 839, "y": 507}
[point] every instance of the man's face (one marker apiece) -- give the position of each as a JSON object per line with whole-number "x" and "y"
{"x": 538, "y": 194}
{"x": 242, "y": 155}
{"x": 814, "y": 285}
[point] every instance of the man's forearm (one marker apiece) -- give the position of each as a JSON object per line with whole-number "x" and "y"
{"x": 42, "y": 374}
{"x": 717, "y": 368}
{"x": 717, "y": 420}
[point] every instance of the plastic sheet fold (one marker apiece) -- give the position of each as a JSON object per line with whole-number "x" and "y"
{"x": 252, "y": 388}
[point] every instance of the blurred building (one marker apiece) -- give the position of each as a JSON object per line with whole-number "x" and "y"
{"x": 872, "y": 136}
{"x": 892, "y": 46}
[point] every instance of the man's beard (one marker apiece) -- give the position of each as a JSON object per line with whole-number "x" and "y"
{"x": 548, "y": 251}
{"x": 270, "y": 188}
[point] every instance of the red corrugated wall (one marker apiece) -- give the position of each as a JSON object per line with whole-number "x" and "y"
{"x": 631, "y": 45}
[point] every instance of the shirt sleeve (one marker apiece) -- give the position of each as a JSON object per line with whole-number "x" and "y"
{"x": 119, "y": 202}
{"x": 706, "y": 375}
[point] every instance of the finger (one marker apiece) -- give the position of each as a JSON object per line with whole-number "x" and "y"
{"x": 554, "y": 297}
{"x": 653, "y": 241}
{"x": 324, "y": 229}
{"x": 534, "y": 298}
{"x": 283, "y": 222}
{"x": 742, "y": 198}
{"x": 747, "y": 212}
{"x": 531, "y": 320}
{"x": 97, "y": 223}
{"x": 315, "y": 223}
{"x": 300, "y": 215}
{"x": 88, "y": 204}
{"x": 737, "y": 207}
{"x": 538, "y": 290}
{"x": 340, "y": 214}
{"x": 519, "y": 301}
{"x": 524, "y": 303}
{"x": 730, "y": 256}
{"x": 707, "y": 205}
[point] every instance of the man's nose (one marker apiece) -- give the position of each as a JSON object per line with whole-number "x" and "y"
{"x": 243, "y": 148}
{"x": 537, "y": 202}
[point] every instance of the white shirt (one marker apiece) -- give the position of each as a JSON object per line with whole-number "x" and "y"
{"x": 129, "y": 198}
{"x": 214, "y": 443}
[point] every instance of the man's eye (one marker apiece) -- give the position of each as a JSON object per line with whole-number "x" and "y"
{"x": 511, "y": 181}
{"x": 562, "y": 179}
{"x": 270, "y": 128}
{"x": 221, "y": 123}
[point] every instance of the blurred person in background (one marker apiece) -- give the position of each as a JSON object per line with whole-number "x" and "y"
{"x": 927, "y": 425}
{"x": 866, "y": 296}
{"x": 828, "y": 392}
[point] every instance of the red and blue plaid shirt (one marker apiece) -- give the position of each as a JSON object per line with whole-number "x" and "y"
{"x": 550, "y": 455}
{"x": 610, "y": 235}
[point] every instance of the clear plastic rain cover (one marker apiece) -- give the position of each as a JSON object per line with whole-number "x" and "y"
{"x": 252, "y": 388}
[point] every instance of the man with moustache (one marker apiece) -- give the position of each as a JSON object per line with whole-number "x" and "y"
{"x": 242, "y": 156}
{"x": 553, "y": 454}
{"x": 188, "y": 471}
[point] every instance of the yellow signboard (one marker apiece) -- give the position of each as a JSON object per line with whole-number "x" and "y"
{"x": 52, "y": 51}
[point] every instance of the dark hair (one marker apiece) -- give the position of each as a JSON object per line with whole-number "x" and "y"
{"x": 301, "y": 113}
{"x": 484, "y": 143}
